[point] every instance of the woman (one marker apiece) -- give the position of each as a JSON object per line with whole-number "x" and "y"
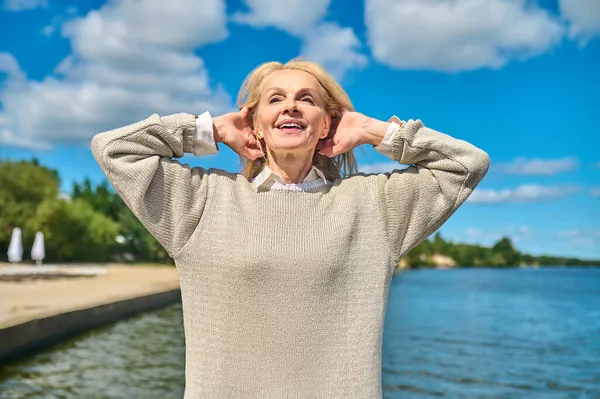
{"x": 285, "y": 268}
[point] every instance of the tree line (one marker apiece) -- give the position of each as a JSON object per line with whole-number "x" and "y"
{"x": 95, "y": 225}
{"x": 501, "y": 254}
{"x": 92, "y": 225}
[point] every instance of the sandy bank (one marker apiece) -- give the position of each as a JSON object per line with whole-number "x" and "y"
{"x": 28, "y": 300}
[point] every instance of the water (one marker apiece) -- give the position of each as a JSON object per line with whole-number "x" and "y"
{"x": 142, "y": 357}
{"x": 519, "y": 333}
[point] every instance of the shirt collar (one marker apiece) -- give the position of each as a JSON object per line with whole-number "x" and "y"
{"x": 267, "y": 175}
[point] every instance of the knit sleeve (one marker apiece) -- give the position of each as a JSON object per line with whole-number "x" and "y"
{"x": 166, "y": 196}
{"x": 414, "y": 202}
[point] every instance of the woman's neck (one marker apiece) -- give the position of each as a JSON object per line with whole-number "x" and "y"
{"x": 292, "y": 169}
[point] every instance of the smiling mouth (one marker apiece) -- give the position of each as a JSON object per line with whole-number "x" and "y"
{"x": 291, "y": 126}
{"x": 290, "y": 129}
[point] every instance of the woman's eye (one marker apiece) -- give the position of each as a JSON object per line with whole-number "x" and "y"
{"x": 310, "y": 100}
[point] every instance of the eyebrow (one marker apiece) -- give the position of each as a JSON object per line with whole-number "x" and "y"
{"x": 303, "y": 90}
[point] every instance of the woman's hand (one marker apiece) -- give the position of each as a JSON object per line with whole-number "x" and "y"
{"x": 353, "y": 130}
{"x": 234, "y": 130}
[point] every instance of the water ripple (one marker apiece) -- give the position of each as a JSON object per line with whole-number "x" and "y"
{"x": 448, "y": 334}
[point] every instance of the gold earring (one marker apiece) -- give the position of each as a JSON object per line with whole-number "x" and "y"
{"x": 259, "y": 135}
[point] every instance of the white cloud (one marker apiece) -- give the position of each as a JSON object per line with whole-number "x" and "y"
{"x": 64, "y": 196}
{"x": 515, "y": 233}
{"x": 58, "y": 20}
{"x": 524, "y": 166}
{"x": 568, "y": 233}
{"x": 128, "y": 61}
{"x": 519, "y": 234}
{"x": 488, "y": 237}
{"x": 48, "y": 30}
{"x": 523, "y": 193}
{"x": 583, "y": 17}
{"x": 336, "y": 48}
{"x": 381, "y": 167}
{"x": 578, "y": 232}
{"x": 292, "y": 16}
{"x": 473, "y": 232}
{"x": 10, "y": 67}
{"x": 585, "y": 242}
{"x": 586, "y": 238}
{"x": 454, "y": 35}
{"x": 595, "y": 191}
{"x": 473, "y": 235}
{"x": 22, "y": 5}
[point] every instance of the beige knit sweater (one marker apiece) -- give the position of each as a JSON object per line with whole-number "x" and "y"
{"x": 284, "y": 292}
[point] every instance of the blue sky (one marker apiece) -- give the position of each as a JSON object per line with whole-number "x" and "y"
{"x": 516, "y": 78}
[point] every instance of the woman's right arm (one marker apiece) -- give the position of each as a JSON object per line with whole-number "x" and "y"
{"x": 166, "y": 196}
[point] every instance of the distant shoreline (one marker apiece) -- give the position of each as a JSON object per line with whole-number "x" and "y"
{"x": 439, "y": 252}
{"x": 398, "y": 269}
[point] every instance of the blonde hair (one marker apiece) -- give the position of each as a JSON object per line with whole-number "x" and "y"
{"x": 335, "y": 99}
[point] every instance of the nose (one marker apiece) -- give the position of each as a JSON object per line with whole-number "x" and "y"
{"x": 290, "y": 106}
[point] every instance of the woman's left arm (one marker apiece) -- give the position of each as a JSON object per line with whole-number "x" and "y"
{"x": 412, "y": 202}
{"x": 416, "y": 201}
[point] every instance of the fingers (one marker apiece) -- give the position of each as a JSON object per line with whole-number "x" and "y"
{"x": 253, "y": 154}
{"x": 331, "y": 152}
{"x": 244, "y": 115}
{"x": 253, "y": 148}
{"x": 253, "y": 141}
{"x": 332, "y": 148}
{"x": 324, "y": 146}
{"x": 325, "y": 143}
{"x": 329, "y": 149}
{"x": 260, "y": 146}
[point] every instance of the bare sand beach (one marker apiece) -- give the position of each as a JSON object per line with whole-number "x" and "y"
{"x": 22, "y": 300}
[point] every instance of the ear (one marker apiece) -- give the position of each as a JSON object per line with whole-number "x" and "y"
{"x": 327, "y": 127}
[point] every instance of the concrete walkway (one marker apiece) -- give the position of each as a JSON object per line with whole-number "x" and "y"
{"x": 49, "y": 310}
{"x": 26, "y": 300}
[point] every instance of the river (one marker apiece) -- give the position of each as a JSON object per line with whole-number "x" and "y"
{"x": 470, "y": 333}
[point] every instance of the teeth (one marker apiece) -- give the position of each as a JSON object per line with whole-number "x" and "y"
{"x": 291, "y": 125}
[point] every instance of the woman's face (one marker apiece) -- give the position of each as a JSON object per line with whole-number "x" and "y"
{"x": 291, "y": 112}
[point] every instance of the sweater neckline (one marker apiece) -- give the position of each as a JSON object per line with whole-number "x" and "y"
{"x": 304, "y": 186}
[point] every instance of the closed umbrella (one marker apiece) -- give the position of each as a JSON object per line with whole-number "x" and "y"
{"x": 15, "y": 248}
{"x": 37, "y": 251}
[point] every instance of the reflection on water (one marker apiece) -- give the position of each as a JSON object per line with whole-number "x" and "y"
{"x": 453, "y": 334}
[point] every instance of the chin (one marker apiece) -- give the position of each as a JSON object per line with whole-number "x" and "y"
{"x": 290, "y": 141}
{"x": 290, "y": 145}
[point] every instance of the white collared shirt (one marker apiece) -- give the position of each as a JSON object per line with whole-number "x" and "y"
{"x": 204, "y": 144}
{"x": 267, "y": 175}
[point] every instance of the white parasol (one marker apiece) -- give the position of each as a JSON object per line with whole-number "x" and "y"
{"x": 37, "y": 251}
{"x": 15, "y": 248}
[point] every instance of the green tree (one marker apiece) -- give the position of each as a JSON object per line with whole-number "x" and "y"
{"x": 101, "y": 198}
{"x": 420, "y": 256}
{"x": 24, "y": 185}
{"x": 138, "y": 242}
{"x": 135, "y": 241}
{"x": 439, "y": 245}
{"x": 505, "y": 254}
{"x": 73, "y": 231}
